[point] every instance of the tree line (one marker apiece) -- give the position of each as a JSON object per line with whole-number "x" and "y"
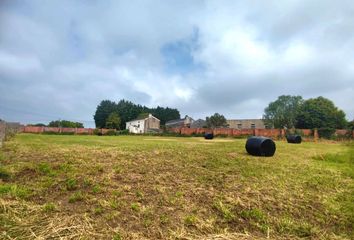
{"x": 285, "y": 112}
{"x": 110, "y": 114}
{"x": 295, "y": 112}
{"x": 60, "y": 123}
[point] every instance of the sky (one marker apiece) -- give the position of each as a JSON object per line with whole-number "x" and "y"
{"x": 59, "y": 59}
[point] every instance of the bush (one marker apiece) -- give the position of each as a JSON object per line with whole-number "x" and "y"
{"x": 197, "y": 135}
{"x": 67, "y": 133}
{"x": 326, "y": 132}
{"x": 97, "y": 132}
{"x": 58, "y": 133}
{"x": 50, "y": 133}
{"x": 110, "y": 133}
{"x": 299, "y": 132}
{"x": 123, "y": 132}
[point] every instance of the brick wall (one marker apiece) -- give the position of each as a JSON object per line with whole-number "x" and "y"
{"x": 272, "y": 133}
{"x": 33, "y": 129}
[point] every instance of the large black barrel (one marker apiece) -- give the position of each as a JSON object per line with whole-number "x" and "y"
{"x": 293, "y": 138}
{"x": 208, "y": 136}
{"x": 260, "y": 146}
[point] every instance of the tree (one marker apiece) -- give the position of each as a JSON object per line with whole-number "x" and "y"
{"x": 103, "y": 110}
{"x": 282, "y": 112}
{"x": 320, "y": 113}
{"x": 351, "y": 125}
{"x": 38, "y": 125}
{"x": 65, "y": 123}
{"x": 216, "y": 121}
{"x": 128, "y": 111}
{"x": 113, "y": 121}
{"x": 165, "y": 114}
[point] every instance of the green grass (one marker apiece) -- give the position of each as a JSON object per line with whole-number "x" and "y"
{"x": 146, "y": 187}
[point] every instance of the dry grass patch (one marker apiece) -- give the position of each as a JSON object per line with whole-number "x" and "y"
{"x": 122, "y": 187}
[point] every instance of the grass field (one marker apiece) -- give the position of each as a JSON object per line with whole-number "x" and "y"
{"x": 141, "y": 187}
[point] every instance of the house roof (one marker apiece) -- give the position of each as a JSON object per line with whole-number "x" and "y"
{"x": 198, "y": 123}
{"x": 175, "y": 121}
{"x": 143, "y": 118}
{"x": 178, "y": 121}
{"x": 254, "y": 119}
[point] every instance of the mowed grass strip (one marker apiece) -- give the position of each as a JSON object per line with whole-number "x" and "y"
{"x": 139, "y": 187}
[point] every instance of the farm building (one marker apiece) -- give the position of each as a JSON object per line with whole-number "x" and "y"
{"x": 144, "y": 124}
{"x": 246, "y": 123}
{"x": 183, "y": 122}
{"x": 200, "y": 123}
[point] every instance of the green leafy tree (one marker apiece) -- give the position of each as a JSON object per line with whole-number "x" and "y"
{"x": 128, "y": 111}
{"x": 282, "y": 112}
{"x": 320, "y": 113}
{"x": 65, "y": 123}
{"x": 165, "y": 114}
{"x": 38, "y": 125}
{"x": 103, "y": 110}
{"x": 351, "y": 125}
{"x": 216, "y": 121}
{"x": 113, "y": 121}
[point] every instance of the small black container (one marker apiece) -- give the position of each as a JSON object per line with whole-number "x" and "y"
{"x": 208, "y": 136}
{"x": 293, "y": 139}
{"x": 260, "y": 146}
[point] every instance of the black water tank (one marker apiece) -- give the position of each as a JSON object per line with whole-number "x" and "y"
{"x": 260, "y": 146}
{"x": 208, "y": 136}
{"x": 293, "y": 138}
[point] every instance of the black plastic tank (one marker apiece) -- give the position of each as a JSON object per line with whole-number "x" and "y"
{"x": 208, "y": 136}
{"x": 293, "y": 138}
{"x": 260, "y": 146}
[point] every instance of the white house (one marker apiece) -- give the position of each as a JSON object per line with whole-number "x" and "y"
{"x": 143, "y": 124}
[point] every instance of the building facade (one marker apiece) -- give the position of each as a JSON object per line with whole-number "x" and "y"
{"x": 200, "y": 123}
{"x": 177, "y": 123}
{"x": 246, "y": 123}
{"x": 143, "y": 125}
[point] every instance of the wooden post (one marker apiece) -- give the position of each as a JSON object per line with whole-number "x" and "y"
{"x": 315, "y": 135}
{"x": 282, "y": 133}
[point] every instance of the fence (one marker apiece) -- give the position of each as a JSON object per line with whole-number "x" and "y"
{"x": 272, "y": 133}
{"x": 87, "y": 131}
{"x": 8, "y": 129}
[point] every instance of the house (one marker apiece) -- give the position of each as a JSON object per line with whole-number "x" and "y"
{"x": 144, "y": 124}
{"x": 177, "y": 123}
{"x": 246, "y": 123}
{"x": 200, "y": 123}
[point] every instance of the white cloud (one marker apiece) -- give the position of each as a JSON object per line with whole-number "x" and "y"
{"x": 15, "y": 64}
{"x": 76, "y": 53}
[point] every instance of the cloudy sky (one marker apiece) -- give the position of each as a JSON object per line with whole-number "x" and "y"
{"x": 59, "y": 59}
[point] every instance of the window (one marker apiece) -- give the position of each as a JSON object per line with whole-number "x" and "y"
{"x": 253, "y": 126}
{"x": 239, "y": 126}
